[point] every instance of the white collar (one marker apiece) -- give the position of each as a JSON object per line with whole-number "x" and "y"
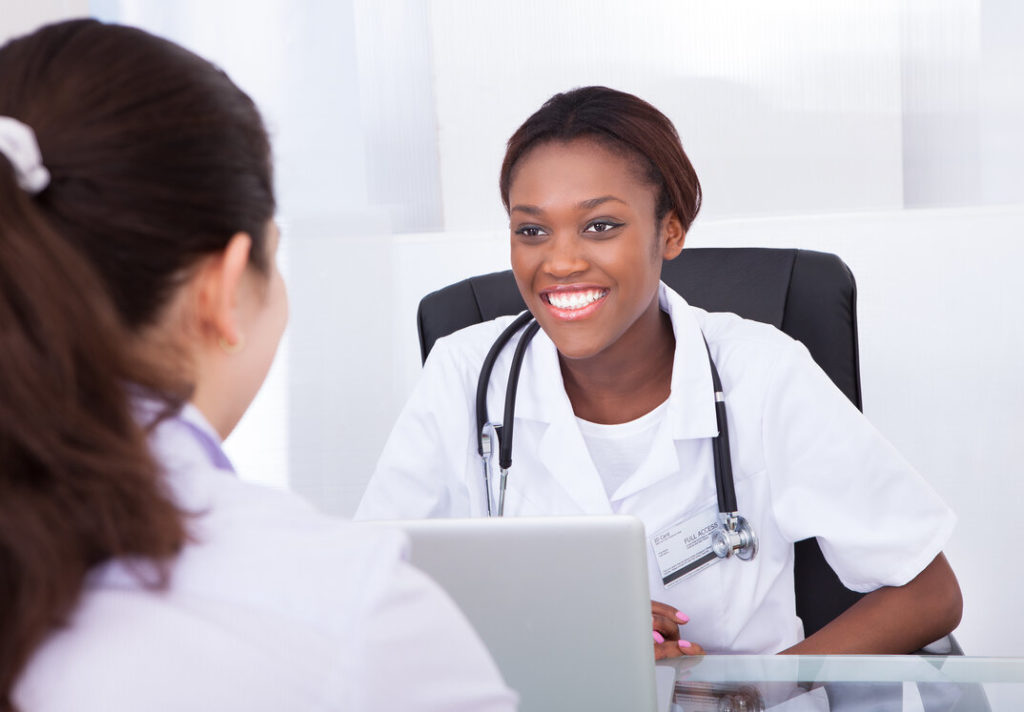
{"x": 691, "y": 405}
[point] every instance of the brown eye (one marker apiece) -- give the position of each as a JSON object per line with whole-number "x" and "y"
{"x": 529, "y": 231}
{"x": 602, "y": 226}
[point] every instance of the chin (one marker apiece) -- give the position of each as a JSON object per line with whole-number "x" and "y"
{"x": 577, "y": 351}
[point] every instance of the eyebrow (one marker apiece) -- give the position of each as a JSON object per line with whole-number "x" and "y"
{"x": 588, "y": 204}
{"x": 594, "y": 202}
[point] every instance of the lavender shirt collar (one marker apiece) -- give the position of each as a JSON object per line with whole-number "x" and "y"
{"x": 205, "y": 436}
{"x": 189, "y": 421}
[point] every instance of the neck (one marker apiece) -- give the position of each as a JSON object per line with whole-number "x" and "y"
{"x": 631, "y": 377}
{"x": 219, "y": 411}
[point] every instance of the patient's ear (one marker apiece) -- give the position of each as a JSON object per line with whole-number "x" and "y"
{"x": 218, "y": 284}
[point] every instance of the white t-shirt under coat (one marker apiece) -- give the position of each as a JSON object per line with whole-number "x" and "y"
{"x": 619, "y": 449}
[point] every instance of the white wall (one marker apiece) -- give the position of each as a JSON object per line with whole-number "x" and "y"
{"x": 18, "y": 17}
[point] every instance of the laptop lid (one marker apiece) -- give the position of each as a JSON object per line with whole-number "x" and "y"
{"x": 562, "y": 603}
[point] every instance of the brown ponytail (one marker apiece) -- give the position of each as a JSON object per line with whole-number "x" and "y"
{"x": 78, "y": 485}
{"x": 156, "y": 159}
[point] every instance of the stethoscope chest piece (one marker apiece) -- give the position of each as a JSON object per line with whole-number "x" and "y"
{"x": 734, "y": 538}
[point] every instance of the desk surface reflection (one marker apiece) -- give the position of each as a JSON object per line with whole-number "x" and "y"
{"x": 847, "y": 683}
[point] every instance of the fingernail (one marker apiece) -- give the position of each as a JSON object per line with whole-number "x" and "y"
{"x": 685, "y": 644}
{"x": 658, "y": 637}
{"x": 683, "y": 617}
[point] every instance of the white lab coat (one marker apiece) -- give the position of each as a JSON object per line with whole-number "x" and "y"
{"x": 272, "y": 607}
{"x": 806, "y": 463}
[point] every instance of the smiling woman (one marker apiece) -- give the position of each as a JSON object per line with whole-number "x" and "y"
{"x": 615, "y": 412}
{"x": 587, "y": 259}
{"x": 596, "y": 183}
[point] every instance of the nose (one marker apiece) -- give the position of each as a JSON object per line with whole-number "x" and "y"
{"x": 565, "y": 257}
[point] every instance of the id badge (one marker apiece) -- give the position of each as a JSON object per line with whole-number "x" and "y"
{"x": 684, "y": 548}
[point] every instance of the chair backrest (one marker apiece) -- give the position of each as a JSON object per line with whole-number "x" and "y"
{"x": 809, "y": 295}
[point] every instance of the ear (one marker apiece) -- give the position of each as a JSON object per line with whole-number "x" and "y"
{"x": 672, "y": 235}
{"x": 219, "y": 282}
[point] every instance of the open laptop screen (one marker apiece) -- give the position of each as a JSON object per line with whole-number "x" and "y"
{"x": 562, "y": 603}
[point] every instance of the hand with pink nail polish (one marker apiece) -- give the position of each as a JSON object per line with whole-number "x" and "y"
{"x": 688, "y": 648}
{"x": 665, "y": 621}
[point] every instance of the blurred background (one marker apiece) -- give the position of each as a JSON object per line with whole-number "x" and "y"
{"x": 886, "y": 131}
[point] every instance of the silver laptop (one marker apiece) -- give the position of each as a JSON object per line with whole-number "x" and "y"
{"x": 561, "y": 602}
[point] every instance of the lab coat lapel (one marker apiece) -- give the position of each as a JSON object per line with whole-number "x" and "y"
{"x": 567, "y": 459}
{"x": 691, "y": 410}
{"x": 562, "y": 450}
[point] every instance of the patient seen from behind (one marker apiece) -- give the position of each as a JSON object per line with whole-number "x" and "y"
{"x": 140, "y": 309}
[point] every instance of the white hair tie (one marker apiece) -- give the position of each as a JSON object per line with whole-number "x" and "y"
{"x": 18, "y": 144}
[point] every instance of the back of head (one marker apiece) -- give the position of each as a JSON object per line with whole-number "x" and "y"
{"x": 623, "y": 123}
{"x": 154, "y": 160}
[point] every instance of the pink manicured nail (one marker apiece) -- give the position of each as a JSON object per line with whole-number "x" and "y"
{"x": 683, "y": 617}
{"x": 658, "y": 637}
{"x": 685, "y": 644}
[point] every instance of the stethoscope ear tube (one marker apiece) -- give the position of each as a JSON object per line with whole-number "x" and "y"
{"x": 488, "y": 444}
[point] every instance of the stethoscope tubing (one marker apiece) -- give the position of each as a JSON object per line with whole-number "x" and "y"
{"x": 508, "y": 417}
{"x": 724, "y": 485}
{"x": 736, "y": 537}
{"x": 485, "y": 374}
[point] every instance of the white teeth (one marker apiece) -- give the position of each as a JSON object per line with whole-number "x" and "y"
{"x": 574, "y": 300}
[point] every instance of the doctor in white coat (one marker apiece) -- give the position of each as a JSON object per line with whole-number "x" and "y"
{"x": 615, "y": 410}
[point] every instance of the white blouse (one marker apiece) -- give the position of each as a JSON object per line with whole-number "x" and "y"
{"x": 270, "y": 607}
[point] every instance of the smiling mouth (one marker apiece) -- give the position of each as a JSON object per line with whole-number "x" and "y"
{"x": 574, "y": 300}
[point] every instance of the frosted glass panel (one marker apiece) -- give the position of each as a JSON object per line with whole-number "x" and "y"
{"x": 783, "y": 107}
{"x": 1001, "y": 101}
{"x": 941, "y": 56}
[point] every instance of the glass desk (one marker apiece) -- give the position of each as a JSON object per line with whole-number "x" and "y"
{"x": 837, "y": 683}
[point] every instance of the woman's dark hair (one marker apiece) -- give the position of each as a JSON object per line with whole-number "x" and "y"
{"x": 625, "y": 124}
{"x": 156, "y": 160}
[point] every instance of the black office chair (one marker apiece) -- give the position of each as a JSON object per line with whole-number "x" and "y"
{"x": 809, "y": 295}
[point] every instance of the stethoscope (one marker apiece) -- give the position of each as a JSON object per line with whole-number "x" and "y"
{"x": 735, "y": 536}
